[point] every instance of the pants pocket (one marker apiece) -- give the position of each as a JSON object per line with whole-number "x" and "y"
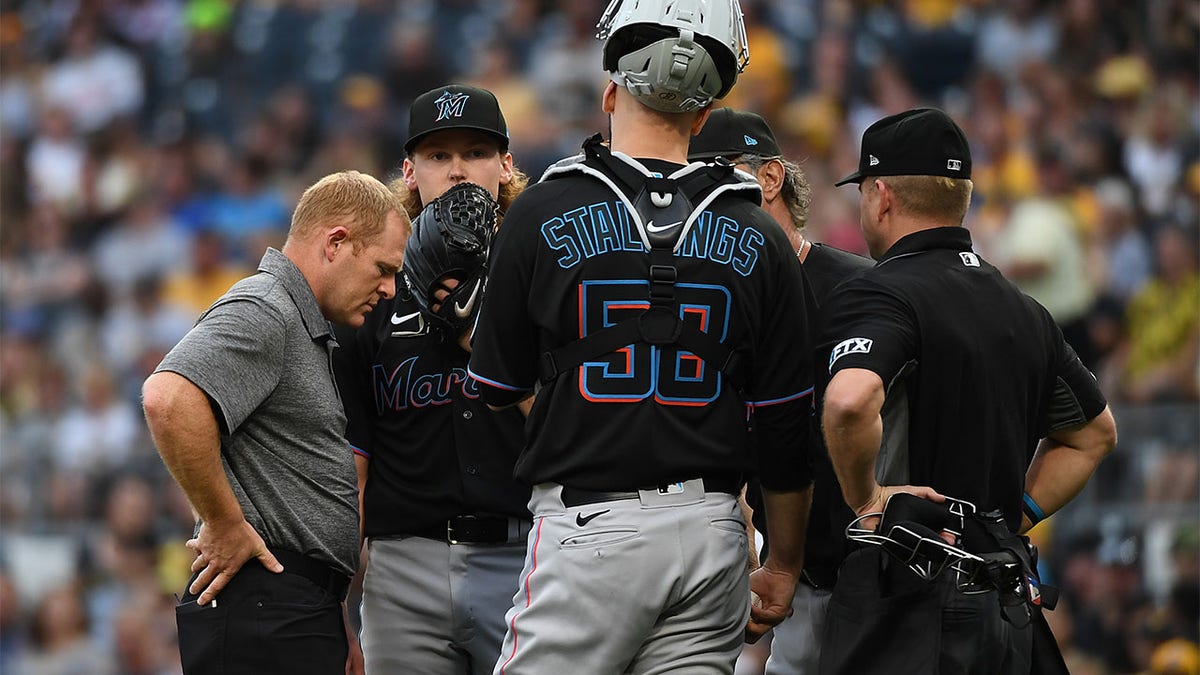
{"x": 302, "y": 638}
{"x": 201, "y": 631}
{"x": 594, "y": 538}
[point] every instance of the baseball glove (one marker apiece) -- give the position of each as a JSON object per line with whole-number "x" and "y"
{"x": 450, "y": 241}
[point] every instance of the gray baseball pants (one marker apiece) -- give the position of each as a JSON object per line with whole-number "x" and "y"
{"x": 434, "y": 608}
{"x": 651, "y": 585}
{"x": 796, "y": 647}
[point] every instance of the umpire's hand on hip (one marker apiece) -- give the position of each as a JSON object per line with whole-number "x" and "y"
{"x": 879, "y": 498}
{"x": 221, "y": 550}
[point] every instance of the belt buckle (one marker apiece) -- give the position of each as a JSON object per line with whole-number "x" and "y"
{"x": 451, "y": 536}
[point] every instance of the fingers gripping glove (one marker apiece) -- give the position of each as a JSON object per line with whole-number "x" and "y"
{"x": 451, "y": 239}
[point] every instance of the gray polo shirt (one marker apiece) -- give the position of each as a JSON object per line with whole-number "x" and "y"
{"x": 262, "y": 354}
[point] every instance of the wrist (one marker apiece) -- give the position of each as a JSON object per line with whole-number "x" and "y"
{"x": 1031, "y": 510}
{"x": 786, "y": 566}
{"x": 224, "y": 521}
{"x": 874, "y": 493}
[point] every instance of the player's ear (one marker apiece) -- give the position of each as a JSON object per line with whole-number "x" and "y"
{"x": 506, "y": 168}
{"x": 698, "y": 123}
{"x": 608, "y": 101}
{"x": 409, "y": 175}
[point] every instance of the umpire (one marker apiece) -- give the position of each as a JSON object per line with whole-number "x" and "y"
{"x": 946, "y": 381}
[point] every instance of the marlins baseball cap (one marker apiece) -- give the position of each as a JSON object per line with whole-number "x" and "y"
{"x": 920, "y": 142}
{"x": 730, "y": 133}
{"x": 455, "y": 106}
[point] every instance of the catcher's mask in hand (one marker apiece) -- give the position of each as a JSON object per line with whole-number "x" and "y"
{"x": 910, "y": 531}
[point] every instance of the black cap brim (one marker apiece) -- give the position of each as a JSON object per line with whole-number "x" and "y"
{"x": 856, "y": 177}
{"x": 501, "y": 138}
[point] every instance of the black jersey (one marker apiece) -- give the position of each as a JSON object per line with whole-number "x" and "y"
{"x": 976, "y": 372}
{"x": 569, "y": 262}
{"x": 824, "y": 267}
{"x": 436, "y": 451}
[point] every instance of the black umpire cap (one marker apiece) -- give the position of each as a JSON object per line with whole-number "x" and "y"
{"x": 729, "y": 133}
{"x": 456, "y": 106}
{"x": 920, "y": 142}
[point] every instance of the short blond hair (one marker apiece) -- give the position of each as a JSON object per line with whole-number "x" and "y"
{"x": 410, "y": 200}
{"x": 358, "y": 201}
{"x": 936, "y": 197}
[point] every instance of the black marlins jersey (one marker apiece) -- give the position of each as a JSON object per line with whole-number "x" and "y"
{"x": 825, "y": 267}
{"x": 435, "y": 449}
{"x": 976, "y": 372}
{"x": 570, "y": 262}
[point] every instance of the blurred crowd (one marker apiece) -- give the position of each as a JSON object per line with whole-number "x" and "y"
{"x": 151, "y": 149}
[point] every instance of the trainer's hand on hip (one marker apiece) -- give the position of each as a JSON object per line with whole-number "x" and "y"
{"x": 221, "y": 550}
{"x": 774, "y": 590}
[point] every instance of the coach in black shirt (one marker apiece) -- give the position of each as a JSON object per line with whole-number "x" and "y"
{"x": 946, "y": 381}
{"x": 745, "y": 139}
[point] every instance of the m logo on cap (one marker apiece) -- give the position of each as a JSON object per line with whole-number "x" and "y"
{"x": 450, "y": 105}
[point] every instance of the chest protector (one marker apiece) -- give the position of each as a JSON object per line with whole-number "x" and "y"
{"x": 663, "y": 210}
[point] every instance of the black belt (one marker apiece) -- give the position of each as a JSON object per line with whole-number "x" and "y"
{"x": 314, "y": 570}
{"x": 473, "y": 529}
{"x": 578, "y": 497}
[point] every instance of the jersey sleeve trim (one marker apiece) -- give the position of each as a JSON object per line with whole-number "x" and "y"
{"x": 360, "y": 452}
{"x": 785, "y": 399}
{"x": 494, "y": 383}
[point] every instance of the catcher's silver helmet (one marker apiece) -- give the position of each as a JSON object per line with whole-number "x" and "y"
{"x": 674, "y": 55}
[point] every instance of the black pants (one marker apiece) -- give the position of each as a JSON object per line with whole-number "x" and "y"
{"x": 885, "y": 619}
{"x": 263, "y": 623}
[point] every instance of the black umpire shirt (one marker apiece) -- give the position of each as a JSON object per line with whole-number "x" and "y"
{"x": 976, "y": 372}
{"x": 568, "y": 262}
{"x": 435, "y": 450}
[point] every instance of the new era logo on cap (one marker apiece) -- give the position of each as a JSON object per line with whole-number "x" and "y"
{"x": 920, "y": 142}
{"x": 731, "y": 133}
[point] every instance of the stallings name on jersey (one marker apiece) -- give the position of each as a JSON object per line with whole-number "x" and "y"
{"x": 606, "y": 227}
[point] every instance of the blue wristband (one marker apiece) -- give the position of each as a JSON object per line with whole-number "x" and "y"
{"x": 1031, "y": 509}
